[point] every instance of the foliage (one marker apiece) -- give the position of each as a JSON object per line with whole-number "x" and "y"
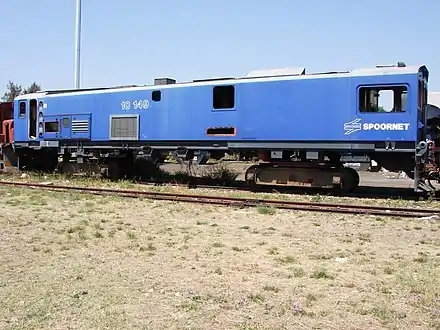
{"x": 13, "y": 90}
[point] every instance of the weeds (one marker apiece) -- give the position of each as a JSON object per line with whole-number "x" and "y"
{"x": 321, "y": 273}
{"x": 266, "y": 210}
{"x": 169, "y": 254}
{"x": 271, "y": 288}
{"x": 286, "y": 259}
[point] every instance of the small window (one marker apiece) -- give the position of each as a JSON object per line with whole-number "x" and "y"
{"x": 156, "y": 96}
{"x": 224, "y": 97}
{"x": 51, "y": 127}
{"x": 22, "y": 109}
{"x": 66, "y": 122}
{"x": 383, "y": 99}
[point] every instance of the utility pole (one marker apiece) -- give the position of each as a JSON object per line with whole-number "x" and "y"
{"x": 78, "y": 45}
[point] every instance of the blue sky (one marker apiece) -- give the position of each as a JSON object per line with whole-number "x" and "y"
{"x": 134, "y": 41}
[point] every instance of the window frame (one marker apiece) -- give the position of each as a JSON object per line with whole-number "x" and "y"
{"x": 214, "y": 87}
{"x": 20, "y": 113}
{"x": 154, "y": 93}
{"x": 380, "y": 86}
{"x": 49, "y": 123}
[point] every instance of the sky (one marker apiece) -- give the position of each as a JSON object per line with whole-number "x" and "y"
{"x": 134, "y": 41}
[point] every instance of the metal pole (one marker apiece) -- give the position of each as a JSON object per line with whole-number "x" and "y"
{"x": 78, "y": 45}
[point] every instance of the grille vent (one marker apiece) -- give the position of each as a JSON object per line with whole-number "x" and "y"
{"x": 80, "y": 126}
{"x": 124, "y": 128}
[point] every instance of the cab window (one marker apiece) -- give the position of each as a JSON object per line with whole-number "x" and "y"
{"x": 22, "y": 108}
{"x": 383, "y": 99}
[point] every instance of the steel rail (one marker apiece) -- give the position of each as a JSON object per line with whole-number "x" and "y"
{"x": 240, "y": 187}
{"x": 288, "y": 189}
{"x": 240, "y": 201}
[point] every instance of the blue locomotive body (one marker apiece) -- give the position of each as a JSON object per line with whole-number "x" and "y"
{"x": 338, "y": 112}
{"x": 318, "y": 108}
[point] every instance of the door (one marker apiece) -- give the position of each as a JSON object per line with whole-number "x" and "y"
{"x": 33, "y": 116}
{"x": 384, "y": 114}
{"x": 421, "y": 108}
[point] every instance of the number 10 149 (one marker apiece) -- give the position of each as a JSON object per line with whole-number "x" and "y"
{"x": 136, "y": 105}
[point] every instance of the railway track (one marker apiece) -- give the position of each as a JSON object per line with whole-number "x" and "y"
{"x": 362, "y": 192}
{"x": 239, "y": 201}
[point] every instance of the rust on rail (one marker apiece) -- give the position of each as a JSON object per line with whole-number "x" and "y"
{"x": 241, "y": 201}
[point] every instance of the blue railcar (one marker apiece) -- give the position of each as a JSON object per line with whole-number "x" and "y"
{"x": 312, "y": 118}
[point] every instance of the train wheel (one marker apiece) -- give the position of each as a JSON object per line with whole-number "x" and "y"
{"x": 145, "y": 169}
{"x": 250, "y": 177}
{"x": 350, "y": 179}
{"x": 114, "y": 170}
{"x": 48, "y": 163}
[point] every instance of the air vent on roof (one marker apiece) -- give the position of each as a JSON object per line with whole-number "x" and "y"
{"x": 164, "y": 81}
{"x": 399, "y": 65}
{"x": 213, "y": 79}
{"x": 277, "y": 72}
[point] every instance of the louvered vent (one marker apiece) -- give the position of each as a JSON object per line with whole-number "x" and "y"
{"x": 124, "y": 128}
{"x": 80, "y": 126}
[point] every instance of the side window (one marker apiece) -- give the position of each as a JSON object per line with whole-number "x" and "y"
{"x": 156, "y": 96}
{"x": 223, "y": 97}
{"x": 51, "y": 127}
{"x": 22, "y": 109}
{"x": 383, "y": 99}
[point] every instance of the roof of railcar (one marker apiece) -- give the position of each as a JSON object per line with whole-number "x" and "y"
{"x": 254, "y": 76}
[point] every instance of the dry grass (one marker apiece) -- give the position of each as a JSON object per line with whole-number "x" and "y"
{"x": 78, "y": 261}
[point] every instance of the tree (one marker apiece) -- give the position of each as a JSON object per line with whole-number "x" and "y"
{"x": 32, "y": 88}
{"x": 13, "y": 90}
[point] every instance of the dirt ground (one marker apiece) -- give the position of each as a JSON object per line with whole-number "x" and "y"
{"x": 71, "y": 261}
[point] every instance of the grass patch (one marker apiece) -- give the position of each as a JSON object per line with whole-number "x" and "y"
{"x": 107, "y": 262}
{"x": 322, "y": 273}
{"x": 271, "y": 288}
{"x": 287, "y": 259}
{"x": 266, "y": 210}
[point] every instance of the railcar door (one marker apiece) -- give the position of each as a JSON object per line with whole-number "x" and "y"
{"x": 383, "y": 113}
{"x": 33, "y": 116}
{"x": 422, "y": 100}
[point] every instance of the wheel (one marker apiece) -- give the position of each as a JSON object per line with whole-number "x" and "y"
{"x": 114, "y": 170}
{"x": 350, "y": 179}
{"x": 250, "y": 177}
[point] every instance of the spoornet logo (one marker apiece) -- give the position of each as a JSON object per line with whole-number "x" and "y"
{"x": 356, "y": 125}
{"x": 352, "y": 126}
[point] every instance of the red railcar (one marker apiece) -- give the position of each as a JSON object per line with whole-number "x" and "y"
{"x": 7, "y": 157}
